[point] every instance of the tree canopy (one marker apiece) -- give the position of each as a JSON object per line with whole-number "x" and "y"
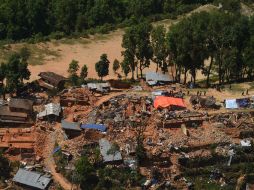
{"x": 102, "y": 66}
{"x": 37, "y": 18}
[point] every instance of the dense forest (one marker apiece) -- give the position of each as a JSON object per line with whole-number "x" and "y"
{"x": 20, "y": 19}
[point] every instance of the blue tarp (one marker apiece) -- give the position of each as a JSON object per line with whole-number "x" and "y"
{"x": 243, "y": 103}
{"x": 56, "y": 149}
{"x": 101, "y": 128}
{"x": 231, "y": 104}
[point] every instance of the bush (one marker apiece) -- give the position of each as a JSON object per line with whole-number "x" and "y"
{"x": 57, "y": 35}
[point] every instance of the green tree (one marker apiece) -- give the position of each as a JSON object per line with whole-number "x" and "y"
{"x": 5, "y": 168}
{"x": 129, "y": 44}
{"x": 84, "y": 72}
{"x": 116, "y": 65}
{"x": 85, "y": 173}
{"x": 72, "y": 70}
{"x": 102, "y": 66}
{"x": 73, "y": 67}
{"x": 16, "y": 72}
{"x": 144, "y": 51}
{"x": 159, "y": 47}
{"x": 125, "y": 67}
{"x": 2, "y": 77}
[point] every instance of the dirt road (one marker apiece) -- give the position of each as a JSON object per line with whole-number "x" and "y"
{"x": 50, "y": 163}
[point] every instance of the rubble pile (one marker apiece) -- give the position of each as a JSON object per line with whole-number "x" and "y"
{"x": 203, "y": 102}
{"x": 77, "y": 96}
{"x": 120, "y": 111}
{"x": 236, "y": 119}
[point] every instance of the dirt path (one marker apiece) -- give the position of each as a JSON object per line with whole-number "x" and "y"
{"x": 50, "y": 163}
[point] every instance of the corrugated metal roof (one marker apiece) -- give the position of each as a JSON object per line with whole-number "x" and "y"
{"x": 32, "y": 179}
{"x": 101, "y": 128}
{"x": 98, "y": 85}
{"x": 155, "y": 77}
{"x": 104, "y": 148}
{"x": 151, "y": 83}
{"x": 50, "y": 109}
{"x": 70, "y": 125}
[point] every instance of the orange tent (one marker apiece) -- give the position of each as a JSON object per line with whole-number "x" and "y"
{"x": 164, "y": 102}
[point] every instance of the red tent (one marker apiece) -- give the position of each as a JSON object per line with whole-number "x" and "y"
{"x": 164, "y": 102}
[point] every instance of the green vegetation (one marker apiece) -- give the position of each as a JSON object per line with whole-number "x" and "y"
{"x": 116, "y": 65}
{"x": 14, "y": 72}
{"x": 225, "y": 38}
{"x": 102, "y": 66}
{"x": 41, "y": 20}
{"x": 5, "y": 168}
{"x": 84, "y": 72}
{"x": 90, "y": 176}
{"x": 73, "y": 69}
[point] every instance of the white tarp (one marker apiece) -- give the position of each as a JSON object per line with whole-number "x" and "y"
{"x": 231, "y": 104}
{"x": 245, "y": 143}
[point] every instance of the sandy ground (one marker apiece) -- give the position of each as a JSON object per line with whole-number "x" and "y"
{"x": 89, "y": 53}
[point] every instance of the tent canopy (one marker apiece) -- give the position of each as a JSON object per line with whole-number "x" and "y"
{"x": 164, "y": 102}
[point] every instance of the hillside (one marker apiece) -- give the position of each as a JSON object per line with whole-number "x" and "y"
{"x": 57, "y": 54}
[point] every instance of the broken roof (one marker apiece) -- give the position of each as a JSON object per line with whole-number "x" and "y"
{"x": 50, "y": 109}
{"x": 70, "y": 125}
{"x": 153, "y": 76}
{"x": 53, "y": 78}
{"x": 32, "y": 179}
{"x": 21, "y": 104}
{"x": 105, "y": 146}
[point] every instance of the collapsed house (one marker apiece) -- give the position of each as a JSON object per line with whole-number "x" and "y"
{"x": 174, "y": 119}
{"x": 31, "y": 179}
{"x": 155, "y": 78}
{"x": 18, "y": 141}
{"x": 108, "y": 157}
{"x": 204, "y": 102}
{"x": 18, "y": 111}
{"x": 72, "y": 129}
{"x": 50, "y": 80}
{"x": 77, "y": 96}
{"x": 51, "y": 112}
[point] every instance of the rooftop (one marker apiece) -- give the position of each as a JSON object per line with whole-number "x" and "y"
{"x": 53, "y": 78}
{"x": 32, "y": 179}
{"x": 50, "y": 109}
{"x": 105, "y": 146}
{"x": 70, "y": 125}
{"x": 153, "y": 76}
{"x": 21, "y": 104}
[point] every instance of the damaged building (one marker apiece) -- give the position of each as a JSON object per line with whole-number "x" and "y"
{"x": 50, "y": 80}
{"x": 18, "y": 111}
